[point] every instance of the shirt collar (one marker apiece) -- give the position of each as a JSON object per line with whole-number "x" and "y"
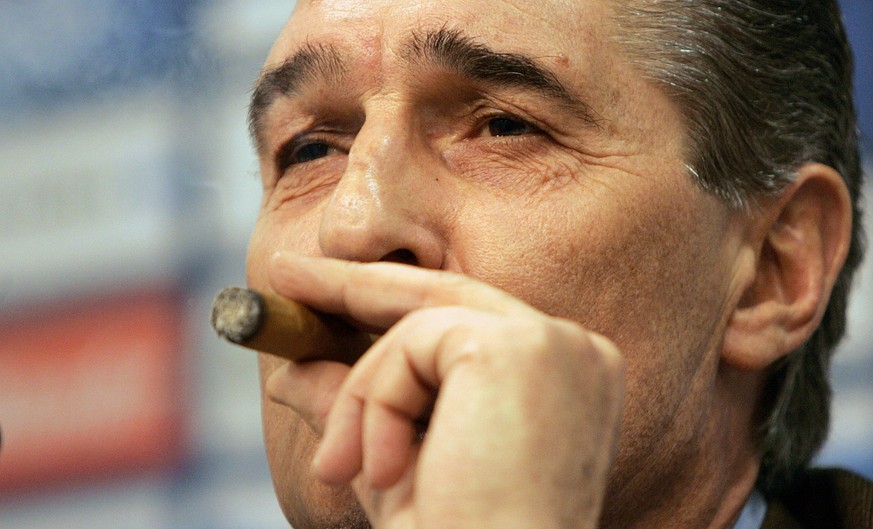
{"x": 752, "y": 515}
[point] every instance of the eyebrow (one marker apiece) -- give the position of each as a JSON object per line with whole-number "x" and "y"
{"x": 445, "y": 48}
{"x": 308, "y": 64}
{"x": 454, "y": 51}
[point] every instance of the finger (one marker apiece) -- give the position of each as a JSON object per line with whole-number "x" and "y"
{"x": 389, "y": 504}
{"x": 428, "y": 345}
{"x": 396, "y": 400}
{"x": 381, "y": 378}
{"x": 404, "y": 387}
{"x": 379, "y": 294}
{"x": 389, "y": 436}
{"x": 309, "y": 388}
{"x": 339, "y": 455}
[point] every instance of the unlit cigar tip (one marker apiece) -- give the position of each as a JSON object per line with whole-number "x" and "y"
{"x": 237, "y": 314}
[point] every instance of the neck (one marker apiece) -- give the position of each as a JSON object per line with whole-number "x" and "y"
{"x": 700, "y": 481}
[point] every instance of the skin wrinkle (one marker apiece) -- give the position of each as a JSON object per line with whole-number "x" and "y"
{"x": 600, "y": 162}
{"x": 563, "y": 132}
{"x": 460, "y": 53}
{"x": 653, "y": 462}
{"x": 519, "y": 155}
{"x": 450, "y": 48}
{"x": 286, "y": 125}
{"x": 311, "y": 62}
{"x": 532, "y": 14}
{"x": 312, "y": 193}
{"x": 615, "y": 249}
{"x": 585, "y": 155}
{"x": 675, "y": 418}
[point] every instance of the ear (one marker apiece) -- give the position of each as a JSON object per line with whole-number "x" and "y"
{"x": 800, "y": 240}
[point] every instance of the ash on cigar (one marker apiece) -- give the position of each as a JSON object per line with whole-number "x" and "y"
{"x": 237, "y": 314}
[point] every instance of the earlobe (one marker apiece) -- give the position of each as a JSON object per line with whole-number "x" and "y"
{"x": 799, "y": 242}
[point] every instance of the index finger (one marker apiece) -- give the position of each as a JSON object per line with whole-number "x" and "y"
{"x": 379, "y": 294}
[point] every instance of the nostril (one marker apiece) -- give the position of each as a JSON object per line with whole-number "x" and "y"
{"x": 402, "y": 255}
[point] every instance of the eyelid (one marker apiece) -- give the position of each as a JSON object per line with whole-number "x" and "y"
{"x": 288, "y": 149}
{"x": 481, "y": 115}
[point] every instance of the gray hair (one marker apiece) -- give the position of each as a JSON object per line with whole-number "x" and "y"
{"x": 764, "y": 86}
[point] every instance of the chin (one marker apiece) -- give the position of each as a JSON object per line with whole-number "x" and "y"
{"x": 323, "y": 507}
{"x": 306, "y": 502}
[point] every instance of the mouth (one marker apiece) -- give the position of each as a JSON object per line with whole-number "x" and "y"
{"x": 421, "y": 426}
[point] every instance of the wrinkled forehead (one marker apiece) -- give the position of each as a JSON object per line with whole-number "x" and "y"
{"x": 376, "y": 29}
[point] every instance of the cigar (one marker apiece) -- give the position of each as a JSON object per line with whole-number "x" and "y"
{"x": 269, "y": 323}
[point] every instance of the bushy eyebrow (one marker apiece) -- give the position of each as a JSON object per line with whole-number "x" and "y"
{"x": 310, "y": 63}
{"x": 447, "y": 49}
{"x": 452, "y": 50}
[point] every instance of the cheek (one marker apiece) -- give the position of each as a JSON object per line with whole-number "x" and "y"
{"x": 279, "y": 230}
{"x": 290, "y": 445}
{"x": 648, "y": 274}
{"x": 642, "y": 267}
{"x": 523, "y": 166}
{"x": 306, "y": 502}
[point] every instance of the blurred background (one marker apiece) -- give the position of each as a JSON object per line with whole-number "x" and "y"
{"x": 127, "y": 192}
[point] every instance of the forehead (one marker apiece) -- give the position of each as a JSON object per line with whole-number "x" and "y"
{"x": 575, "y": 41}
{"x": 554, "y": 31}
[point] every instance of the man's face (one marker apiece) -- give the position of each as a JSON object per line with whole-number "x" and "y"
{"x": 516, "y": 145}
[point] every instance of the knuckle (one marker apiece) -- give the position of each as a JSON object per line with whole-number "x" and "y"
{"x": 276, "y": 387}
{"x": 464, "y": 338}
{"x": 271, "y": 389}
{"x": 595, "y": 348}
{"x": 609, "y": 353}
{"x": 446, "y": 288}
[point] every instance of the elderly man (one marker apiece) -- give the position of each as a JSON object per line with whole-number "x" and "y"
{"x": 606, "y": 246}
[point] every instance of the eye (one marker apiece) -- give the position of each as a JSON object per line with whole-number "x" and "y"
{"x": 509, "y": 126}
{"x": 308, "y": 152}
{"x": 312, "y": 151}
{"x": 301, "y": 152}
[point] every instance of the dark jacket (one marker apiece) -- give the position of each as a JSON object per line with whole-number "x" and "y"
{"x": 824, "y": 499}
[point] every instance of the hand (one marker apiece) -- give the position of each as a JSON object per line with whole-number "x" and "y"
{"x": 525, "y": 407}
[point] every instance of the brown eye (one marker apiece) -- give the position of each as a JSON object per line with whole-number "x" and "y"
{"x": 507, "y": 126}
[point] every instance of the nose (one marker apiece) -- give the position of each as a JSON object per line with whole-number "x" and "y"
{"x": 385, "y": 206}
